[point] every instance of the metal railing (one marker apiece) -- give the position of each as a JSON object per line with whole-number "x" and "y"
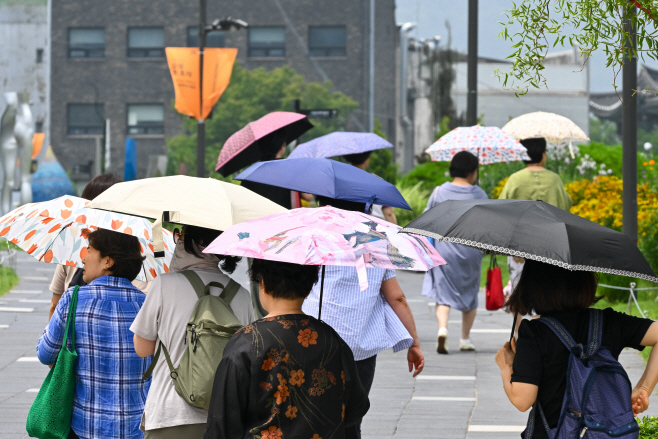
{"x": 632, "y": 297}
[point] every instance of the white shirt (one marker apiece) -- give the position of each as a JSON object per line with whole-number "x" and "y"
{"x": 363, "y": 319}
{"x": 164, "y": 318}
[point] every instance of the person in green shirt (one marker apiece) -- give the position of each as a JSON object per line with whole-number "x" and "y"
{"x": 535, "y": 182}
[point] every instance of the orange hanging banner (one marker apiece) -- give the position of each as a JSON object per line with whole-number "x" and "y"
{"x": 37, "y": 144}
{"x": 184, "y": 67}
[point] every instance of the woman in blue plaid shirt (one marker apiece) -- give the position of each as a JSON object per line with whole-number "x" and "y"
{"x": 110, "y": 392}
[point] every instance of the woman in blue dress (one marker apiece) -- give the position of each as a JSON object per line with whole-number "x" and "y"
{"x": 456, "y": 284}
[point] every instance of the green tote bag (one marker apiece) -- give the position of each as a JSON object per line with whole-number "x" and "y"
{"x": 50, "y": 414}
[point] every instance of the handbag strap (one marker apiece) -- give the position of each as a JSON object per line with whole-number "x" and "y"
{"x": 70, "y": 319}
{"x": 494, "y": 262}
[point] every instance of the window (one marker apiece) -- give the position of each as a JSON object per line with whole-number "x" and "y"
{"x": 87, "y": 43}
{"x": 39, "y": 56}
{"x": 145, "y": 119}
{"x": 326, "y": 40}
{"x": 85, "y": 119}
{"x": 213, "y": 39}
{"x": 146, "y": 42}
{"x": 267, "y": 41}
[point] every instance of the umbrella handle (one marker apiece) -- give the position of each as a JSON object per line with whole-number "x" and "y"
{"x": 513, "y": 328}
{"x": 158, "y": 241}
{"x": 321, "y": 293}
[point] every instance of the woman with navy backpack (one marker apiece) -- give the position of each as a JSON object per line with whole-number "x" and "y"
{"x": 564, "y": 364}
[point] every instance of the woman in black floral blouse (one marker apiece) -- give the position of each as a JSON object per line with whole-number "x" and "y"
{"x": 288, "y": 375}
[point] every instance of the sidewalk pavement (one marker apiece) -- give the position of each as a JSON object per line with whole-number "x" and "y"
{"x": 457, "y": 396}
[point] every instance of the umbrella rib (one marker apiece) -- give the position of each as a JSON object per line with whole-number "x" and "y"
{"x": 53, "y": 240}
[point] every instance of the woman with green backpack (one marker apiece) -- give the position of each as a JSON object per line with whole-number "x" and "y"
{"x": 170, "y": 325}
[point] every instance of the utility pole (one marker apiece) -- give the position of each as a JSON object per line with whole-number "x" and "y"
{"x": 472, "y": 83}
{"x": 201, "y": 124}
{"x": 629, "y": 131}
{"x": 223, "y": 24}
{"x": 371, "y": 70}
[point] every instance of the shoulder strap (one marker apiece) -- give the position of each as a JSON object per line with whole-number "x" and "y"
{"x": 197, "y": 283}
{"x": 229, "y": 292}
{"x": 154, "y": 361}
{"x": 559, "y": 330}
{"x": 595, "y": 331}
{"x": 530, "y": 428}
{"x": 70, "y": 319}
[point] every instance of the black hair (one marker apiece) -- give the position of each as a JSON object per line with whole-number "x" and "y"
{"x": 271, "y": 144}
{"x": 358, "y": 158}
{"x": 536, "y": 148}
{"x": 98, "y": 185}
{"x": 200, "y": 237}
{"x": 462, "y": 164}
{"x": 283, "y": 280}
{"x": 546, "y": 288}
{"x": 342, "y": 204}
{"x": 124, "y": 250}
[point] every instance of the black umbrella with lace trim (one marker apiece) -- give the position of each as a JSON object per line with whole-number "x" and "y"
{"x": 533, "y": 230}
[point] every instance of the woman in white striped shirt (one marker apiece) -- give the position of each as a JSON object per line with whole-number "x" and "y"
{"x": 369, "y": 321}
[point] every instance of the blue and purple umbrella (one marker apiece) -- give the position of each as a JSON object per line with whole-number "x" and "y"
{"x": 340, "y": 143}
{"x": 327, "y": 178}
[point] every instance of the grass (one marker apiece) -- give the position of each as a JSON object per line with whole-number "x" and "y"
{"x": 8, "y": 279}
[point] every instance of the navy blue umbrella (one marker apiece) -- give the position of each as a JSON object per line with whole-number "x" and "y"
{"x": 327, "y": 178}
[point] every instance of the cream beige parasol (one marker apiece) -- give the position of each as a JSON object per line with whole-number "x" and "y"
{"x": 554, "y": 128}
{"x": 202, "y": 202}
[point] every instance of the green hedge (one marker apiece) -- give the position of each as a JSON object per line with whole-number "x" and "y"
{"x": 648, "y": 427}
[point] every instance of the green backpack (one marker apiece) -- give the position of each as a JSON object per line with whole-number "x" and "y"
{"x": 209, "y": 329}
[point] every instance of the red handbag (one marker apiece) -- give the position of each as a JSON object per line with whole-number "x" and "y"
{"x": 494, "y": 288}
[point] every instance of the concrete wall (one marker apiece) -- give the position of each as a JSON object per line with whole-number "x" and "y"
{"x": 117, "y": 80}
{"x": 23, "y": 30}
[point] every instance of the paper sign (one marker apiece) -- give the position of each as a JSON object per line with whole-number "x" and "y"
{"x": 184, "y": 67}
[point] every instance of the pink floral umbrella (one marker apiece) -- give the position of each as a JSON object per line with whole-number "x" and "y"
{"x": 328, "y": 236}
{"x": 240, "y": 149}
{"x": 488, "y": 144}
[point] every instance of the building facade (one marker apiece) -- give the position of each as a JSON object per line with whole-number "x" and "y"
{"x": 108, "y": 64}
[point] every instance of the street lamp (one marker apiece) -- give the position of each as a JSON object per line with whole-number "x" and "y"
{"x": 224, "y": 24}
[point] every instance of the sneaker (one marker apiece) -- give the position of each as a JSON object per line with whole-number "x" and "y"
{"x": 442, "y": 341}
{"x": 466, "y": 345}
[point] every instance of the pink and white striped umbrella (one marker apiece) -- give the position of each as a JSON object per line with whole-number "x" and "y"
{"x": 488, "y": 144}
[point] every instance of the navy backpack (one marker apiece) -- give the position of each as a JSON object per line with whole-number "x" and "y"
{"x": 597, "y": 401}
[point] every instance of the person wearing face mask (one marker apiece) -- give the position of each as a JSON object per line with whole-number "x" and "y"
{"x": 163, "y": 319}
{"x": 109, "y": 393}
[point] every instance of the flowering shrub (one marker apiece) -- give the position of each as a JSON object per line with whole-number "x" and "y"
{"x": 495, "y": 193}
{"x": 600, "y": 200}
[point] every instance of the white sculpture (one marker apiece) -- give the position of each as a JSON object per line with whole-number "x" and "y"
{"x": 16, "y": 132}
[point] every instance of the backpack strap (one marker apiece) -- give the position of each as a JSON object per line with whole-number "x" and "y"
{"x": 154, "y": 361}
{"x": 229, "y": 292}
{"x": 197, "y": 283}
{"x": 595, "y": 331}
{"x": 530, "y": 428}
{"x": 559, "y": 330}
